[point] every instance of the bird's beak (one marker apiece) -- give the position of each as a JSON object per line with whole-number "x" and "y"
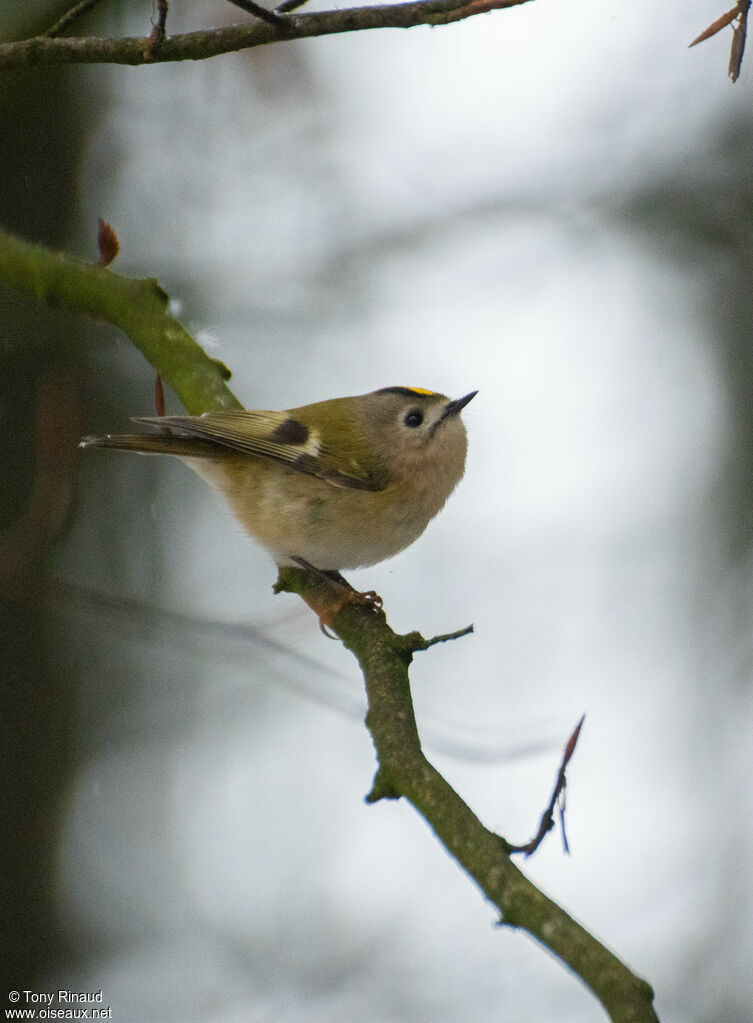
{"x": 452, "y": 408}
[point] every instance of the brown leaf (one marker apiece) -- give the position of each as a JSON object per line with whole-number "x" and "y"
{"x": 738, "y": 45}
{"x": 159, "y": 396}
{"x": 717, "y": 26}
{"x": 107, "y": 242}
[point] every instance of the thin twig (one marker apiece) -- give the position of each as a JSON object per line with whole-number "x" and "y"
{"x": 271, "y": 17}
{"x": 289, "y": 5}
{"x": 69, "y": 17}
{"x": 417, "y": 642}
{"x": 558, "y": 795}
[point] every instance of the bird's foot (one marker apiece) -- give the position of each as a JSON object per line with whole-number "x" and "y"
{"x": 342, "y": 594}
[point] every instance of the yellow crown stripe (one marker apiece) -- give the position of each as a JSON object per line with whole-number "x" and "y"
{"x": 420, "y": 390}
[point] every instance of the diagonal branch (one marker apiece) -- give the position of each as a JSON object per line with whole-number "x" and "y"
{"x": 138, "y": 307}
{"x": 212, "y": 42}
{"x": 404, "y": 771}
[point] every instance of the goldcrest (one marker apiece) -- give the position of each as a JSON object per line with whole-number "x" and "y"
{"x": 338, "y": 484}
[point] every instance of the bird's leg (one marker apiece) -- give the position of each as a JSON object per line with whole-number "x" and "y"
{"x": 346, "y": 594}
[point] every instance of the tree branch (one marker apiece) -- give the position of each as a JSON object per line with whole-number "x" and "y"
{"x": 138, "y": 307}
{"x": 212, "y": 42}
{"x": 404, "y": 771}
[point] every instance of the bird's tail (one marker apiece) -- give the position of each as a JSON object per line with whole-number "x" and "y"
{"x": 154, "y": 444}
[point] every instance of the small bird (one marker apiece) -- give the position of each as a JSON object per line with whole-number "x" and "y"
{"x": 338, "y": 484}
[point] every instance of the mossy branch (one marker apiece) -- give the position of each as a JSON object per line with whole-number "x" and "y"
{"x": 212, "y": 42}
{"x": 404, "y": 771}
{"x": 138, "y": 306}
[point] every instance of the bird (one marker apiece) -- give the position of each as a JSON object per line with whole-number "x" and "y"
{"x": 338, "y": 484}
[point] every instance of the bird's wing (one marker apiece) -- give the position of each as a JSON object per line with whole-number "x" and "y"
{"x": 275, "y": 435}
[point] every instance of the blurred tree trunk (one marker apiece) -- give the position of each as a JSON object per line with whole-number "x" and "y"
{"x": 41, "y": 140}
{"x": 704, "y": 222}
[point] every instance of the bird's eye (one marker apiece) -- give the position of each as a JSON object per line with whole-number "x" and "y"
{"x": 414, "y": 418}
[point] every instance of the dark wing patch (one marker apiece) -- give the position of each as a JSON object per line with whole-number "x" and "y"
{"x": 291, "y": 432}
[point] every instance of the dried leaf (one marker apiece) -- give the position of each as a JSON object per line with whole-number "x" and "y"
{"x": 159, "y": 396}
{"x": 717, "y": 26}
{"x": 107, "y": 242}
{"x": 738, "y": 45}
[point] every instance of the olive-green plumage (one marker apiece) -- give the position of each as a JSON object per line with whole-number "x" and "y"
{"x": 339, "y": 484}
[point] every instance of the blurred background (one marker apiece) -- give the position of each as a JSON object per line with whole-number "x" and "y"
{"x": 551, "y": 204}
